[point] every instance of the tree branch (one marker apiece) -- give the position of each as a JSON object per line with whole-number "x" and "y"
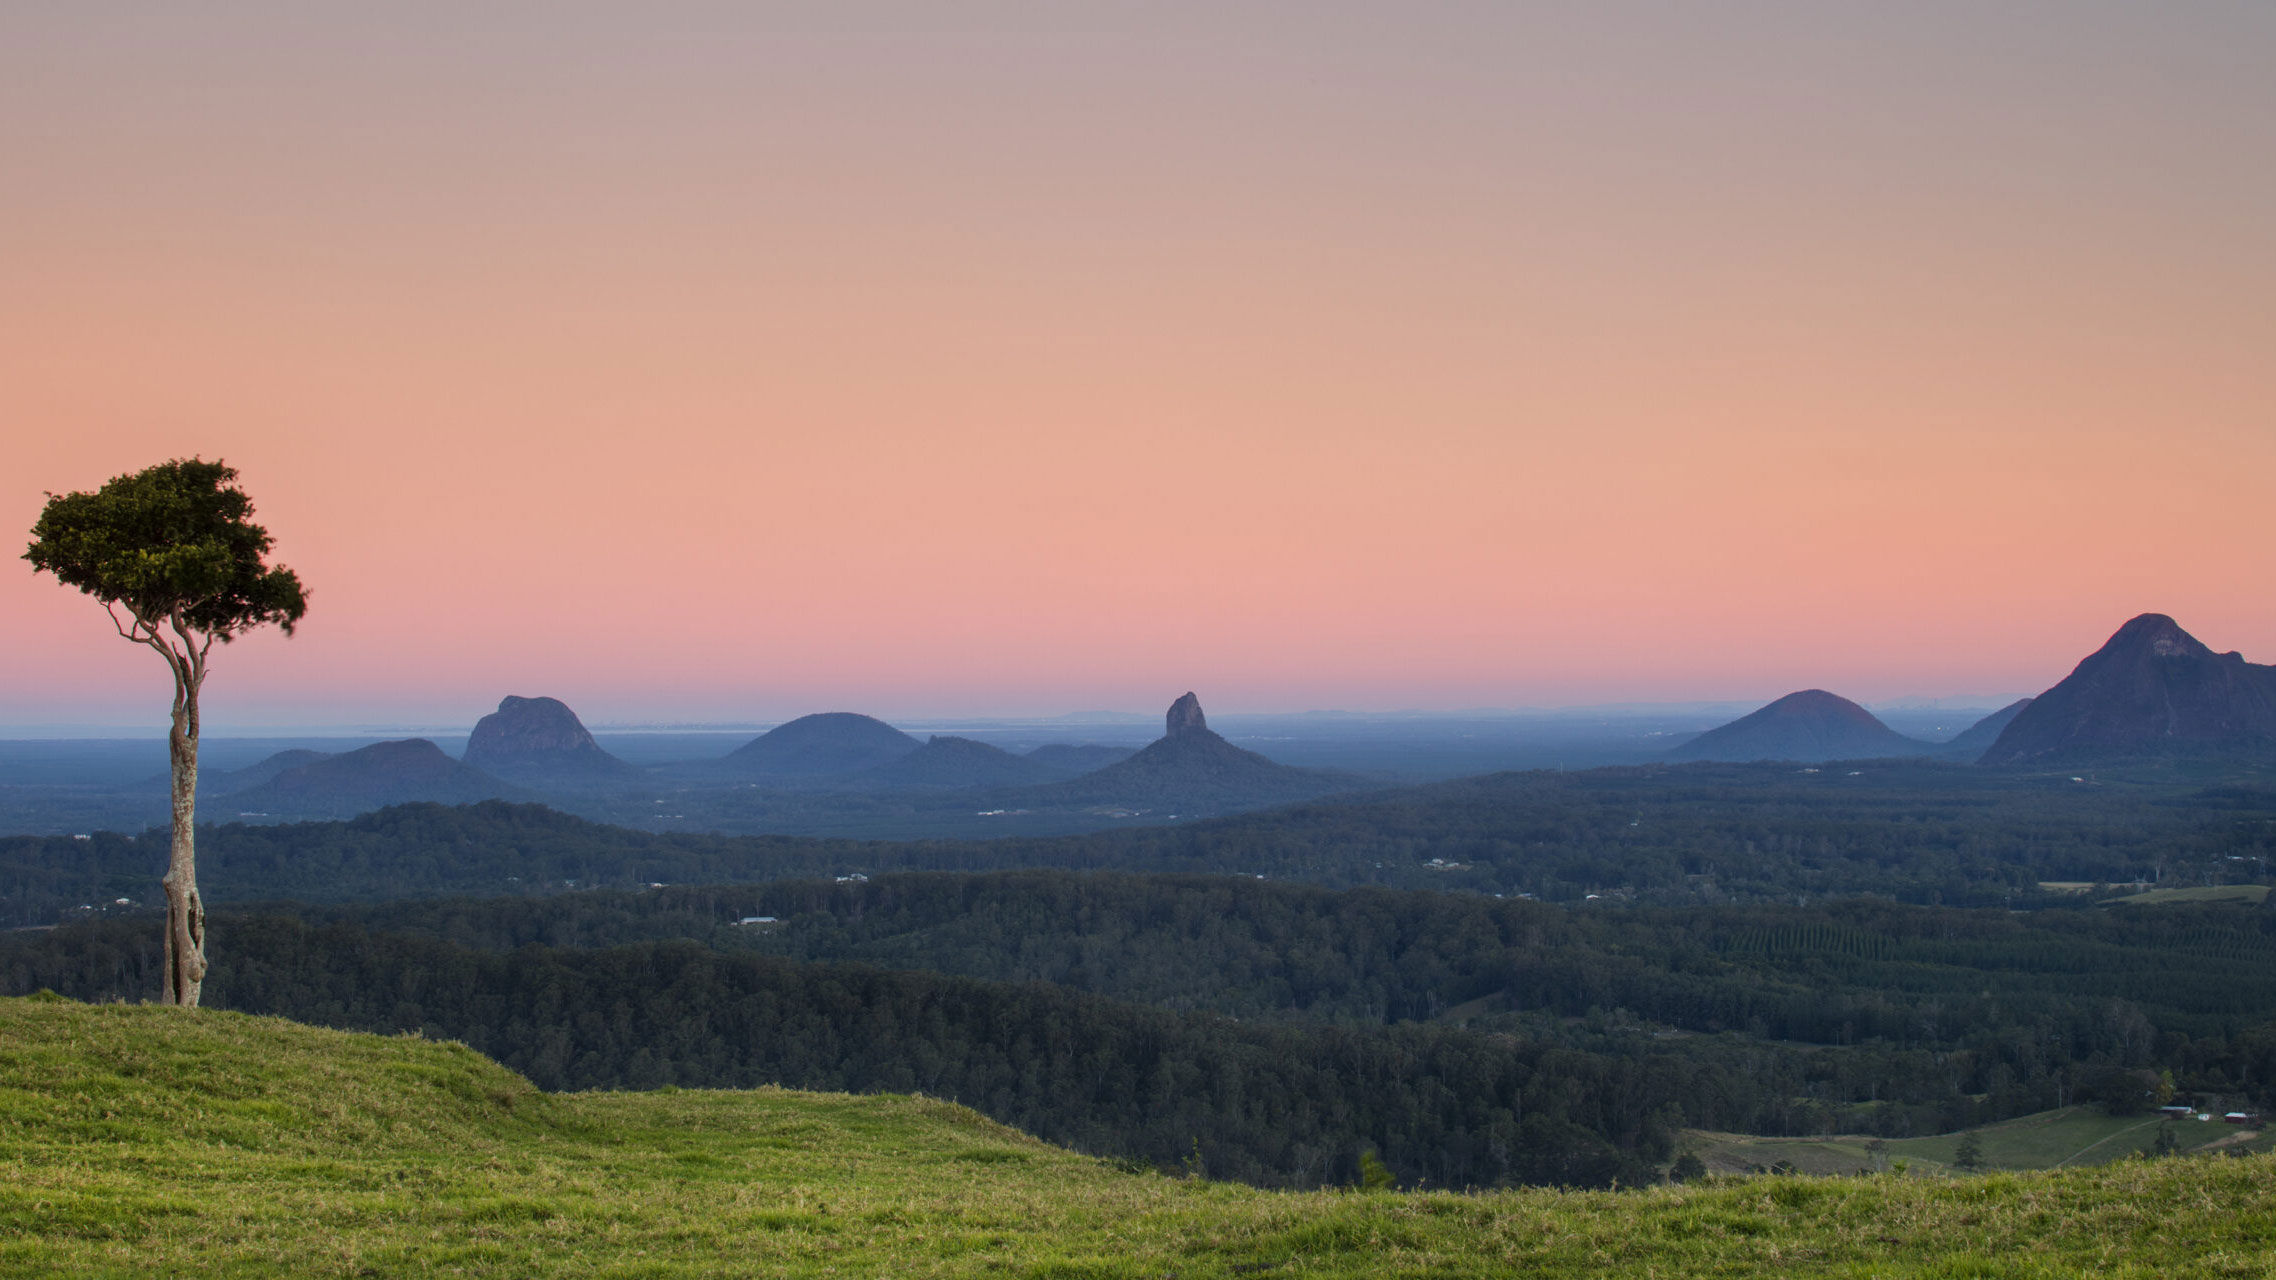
{"x": 193, "y": 657}
{"x": 145, "y": 632}
{"x": 122, "y": 628}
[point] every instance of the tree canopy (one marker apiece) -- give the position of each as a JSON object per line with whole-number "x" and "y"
{"x": 173, "y": 545}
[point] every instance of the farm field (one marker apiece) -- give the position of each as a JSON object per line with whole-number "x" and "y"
{"x": 2065, "y": 1138}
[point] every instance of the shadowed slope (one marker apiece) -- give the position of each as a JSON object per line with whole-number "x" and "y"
{"x": 384, "y": 773}
{"x": 1971, "y": 742}
{"x": 1074, "y": 758}
{"x": 950, "y": 763}
{"x": 2152, "y": 688}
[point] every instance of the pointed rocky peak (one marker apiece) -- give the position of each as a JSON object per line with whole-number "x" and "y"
{"x": 2151, "y": 689}
{"x": 1186, "y": 718}
{"x": 2155, "y": 635}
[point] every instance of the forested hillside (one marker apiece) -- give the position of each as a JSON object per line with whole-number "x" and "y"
{"x": 1283, "y": 1026}
{"x": 1843, "y": 973}
{"x": 1917, "y": 832}
{"x": 1274, "y": 1105}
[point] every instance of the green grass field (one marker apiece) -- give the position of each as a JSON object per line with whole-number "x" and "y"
{"x": 143, "y": 1142}
{"x": 2066, "y": 1138}
{"x": 2252, "y": 893}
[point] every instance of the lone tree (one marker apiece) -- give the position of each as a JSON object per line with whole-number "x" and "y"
{"x": 177, "y": 562}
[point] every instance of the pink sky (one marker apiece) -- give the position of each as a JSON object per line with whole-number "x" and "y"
{"x": 687, "y": 365}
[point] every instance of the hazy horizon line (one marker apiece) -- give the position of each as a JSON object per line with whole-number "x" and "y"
{"x": 41, "y": 730}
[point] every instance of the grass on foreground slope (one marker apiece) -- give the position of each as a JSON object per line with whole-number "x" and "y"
{"x": 139, "y": 1141}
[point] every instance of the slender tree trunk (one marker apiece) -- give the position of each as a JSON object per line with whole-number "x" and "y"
{"x": 185, "y": 911}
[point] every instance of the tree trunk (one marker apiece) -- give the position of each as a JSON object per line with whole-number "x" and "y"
{"x": 185, "y": 911}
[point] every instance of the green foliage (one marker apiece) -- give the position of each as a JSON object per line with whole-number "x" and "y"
{"x": 1954, "y": 1017}
{"x": 1970, "y": 1153}
{"x": 140, "y": 1141}
{"x": 1374, "y": 1175}
{"x": 171, "y": 542}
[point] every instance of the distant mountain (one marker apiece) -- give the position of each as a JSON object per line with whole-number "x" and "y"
{"x": 960, "y": 763}
{"x": 1973, "y": 741}
{"x": 2153, "y": 689}
{"x": 1193, "y": 768}
{"x": 222, "y": 781}
{"x": 540, "y": 742}
{"x": 819, "y": 745}
{"x": 382, "y": 774}
{"x": 1068, "y": 759}
{"x": 1806, "y": 727}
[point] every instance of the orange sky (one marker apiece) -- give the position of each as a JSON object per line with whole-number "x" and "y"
{"x": 688, "y": 364}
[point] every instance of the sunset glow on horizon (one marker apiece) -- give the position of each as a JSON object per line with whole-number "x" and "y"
{"x": 689, "y": 365}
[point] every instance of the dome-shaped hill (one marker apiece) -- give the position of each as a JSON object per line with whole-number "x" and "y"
{"x": 223, "y": 781}
{"x": 372, "y": 777}
{"x": 1806, "y": 727}
{"x": 818, "y": 745}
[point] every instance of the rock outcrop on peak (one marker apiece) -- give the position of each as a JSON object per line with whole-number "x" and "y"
{"x": 1190, "y": 770}
{"x": 1185, "y": 717}
{"x": 816, "y": 746}
{"x": 540, "y": 742}
{"x": 1808, "y": 727}
{"x": 372, "y": 777}
{"x": 2151, "y": 689}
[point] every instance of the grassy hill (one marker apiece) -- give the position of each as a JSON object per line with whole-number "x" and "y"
{"x": 138, "y": 1142}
